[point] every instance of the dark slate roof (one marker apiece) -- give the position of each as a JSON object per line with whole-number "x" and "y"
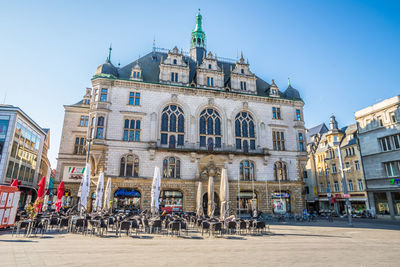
{"x": 321, "y": 128}
{"x": 350, "y": 130}
{"x": 151, "y": 71}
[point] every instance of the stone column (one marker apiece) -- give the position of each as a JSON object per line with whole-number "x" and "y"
{"x": 390, "y": 203}
{"x": 371, "y": 200}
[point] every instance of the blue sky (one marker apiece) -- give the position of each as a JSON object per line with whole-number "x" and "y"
{"x": 341, "y": 55}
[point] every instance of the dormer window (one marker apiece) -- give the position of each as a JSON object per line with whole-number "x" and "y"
{"x": 210, "y": 81}
{"x": 174, "y": 61}
{"x": 242, "y": 71}
{"x": 243, "y": 85}
{"x": 209, "y": 66}
{"x": 174, "y": 77}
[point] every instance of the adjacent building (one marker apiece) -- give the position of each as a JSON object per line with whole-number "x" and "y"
{"x": 23, "y": 150}
{"x": 191, "y": 114}
{"x": 379, "y": 136}
{"x": 327, "y": 147}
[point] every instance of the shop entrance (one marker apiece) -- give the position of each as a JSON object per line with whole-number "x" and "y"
{"x": 127, "y": 199}
{"x": 247, "y": 201}
{"x": 171, "y": 201}
{"x": 281, "y": 202}
{"x": 216, "y": 201}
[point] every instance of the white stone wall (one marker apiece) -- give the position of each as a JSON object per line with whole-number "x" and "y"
{"x": 152, "y": 102}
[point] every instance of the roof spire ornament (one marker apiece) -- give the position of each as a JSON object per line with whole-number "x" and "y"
{"x": 288, "y": 82}
{"x": 198, "y": 37}
{"x": 109, "y": 54}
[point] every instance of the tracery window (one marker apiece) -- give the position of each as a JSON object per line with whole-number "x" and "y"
{"x": 172, "y": 167}
{"x": 244, "y": 131}
{"x": 129, "y": 166}
{"x": 247, "y": 170}
{"x": 172, "y": 126}
{"x": 210, "y": 129}
{"x": 280, "y": 171}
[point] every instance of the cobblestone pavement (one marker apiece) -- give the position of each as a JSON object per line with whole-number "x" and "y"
{"x": 314, "y": 244}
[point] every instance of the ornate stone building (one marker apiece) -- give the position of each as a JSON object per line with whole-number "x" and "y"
{"x": 191, "y": 114}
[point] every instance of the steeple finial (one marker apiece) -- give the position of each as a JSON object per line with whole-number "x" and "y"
{"x": 109, "y": 53}
{"x": 198, "y": 36}
{"x": 154, "y": 43}
{"x": 288, "y": 82}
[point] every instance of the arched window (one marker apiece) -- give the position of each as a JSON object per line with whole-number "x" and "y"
{"x": 100, "y": 128}
{"x": 247, "y": 170}
{"x": 174, "y": 61}
{"x": 210, "y": 129}
{"x": 129, "y": 166}
{"x": 280, "y": 171}
{"x": 171, "y": 167}
{"x": 172, "y": 126}
{"x": 245, "y": 132}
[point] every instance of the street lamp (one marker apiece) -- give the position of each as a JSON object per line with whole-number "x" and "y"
{"x": 344, "y": 186}
{"x": 328, "y": 188}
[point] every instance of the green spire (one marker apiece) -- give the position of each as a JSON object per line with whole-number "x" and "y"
{"x": 198, "y": 36}
{"x": 109, "y": 54}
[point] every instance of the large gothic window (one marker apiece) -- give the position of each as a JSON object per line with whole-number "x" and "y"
{"x": 245, "y": 132}
{"x": 280, "y": 171}
{"x": 129, "y": 166}
{"x": 210, "y": 129}
{"x": 172, "y": 126}
{"x": 247, "y": 170}
{"x": 171, "y": 167}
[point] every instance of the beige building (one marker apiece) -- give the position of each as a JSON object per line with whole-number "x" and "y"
{"x": 325, "y": 168}
{"x": 191, "y": 114}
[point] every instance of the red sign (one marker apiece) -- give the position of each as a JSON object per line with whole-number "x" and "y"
{"x": 346, "y": 195}
{"x": 9, "y": 199}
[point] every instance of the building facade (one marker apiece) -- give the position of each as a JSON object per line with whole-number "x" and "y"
{"x": 325, "y": 165}
{"x": 23, "y": 150}
{"x": 191, "y": 114}
{"x": 379, "y": 136}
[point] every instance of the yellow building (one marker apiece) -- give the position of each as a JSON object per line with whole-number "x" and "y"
{"x": 327, "y": 161}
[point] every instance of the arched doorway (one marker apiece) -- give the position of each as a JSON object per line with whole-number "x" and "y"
{"x": 216, "y": 201}
{"x": 127, "y": 199}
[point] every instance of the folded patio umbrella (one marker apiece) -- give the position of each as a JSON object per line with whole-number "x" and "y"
{"x": 85, "y": 188}
{"x": 211, "y": 204}
{"x": 155, "y": 191}
{"x": 60, "y": 194}
{"x": 107, "y": 196}
{"x": 99, "y": 192}
{"x": 199, "y": 198}
{"x": 224, "y": 194}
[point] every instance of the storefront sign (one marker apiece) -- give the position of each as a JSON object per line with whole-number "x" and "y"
{"x": 278, "y": 195}
{"x": 395, "y": 181}
{"x": 127, "y": 192}
{"x": 73, "y": 173}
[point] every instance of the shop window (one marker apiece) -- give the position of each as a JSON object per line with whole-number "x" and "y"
{"x": 171, "y": 167}
{"x": 210, "y": 129}
{"x": 126, "y": 199}
{"x": 171, "y": 201}
{"x": 381, "y": 203}
{"x": 245, "y": 132}
{"x": 396, "y": 202}
{"x": 134, "y": 99}
{"x": 132, "y": 130}
{"x": 281, "y": 202}
{"x": 172, "y": 126}
{"x": 247, "y": 202}
{"x": 129, "y": 166}
{"x": 278, "y": 140}
{"x": 280, "y": 171}
{"x": 247, "y": 170}
{"x": 276, "y": 113}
